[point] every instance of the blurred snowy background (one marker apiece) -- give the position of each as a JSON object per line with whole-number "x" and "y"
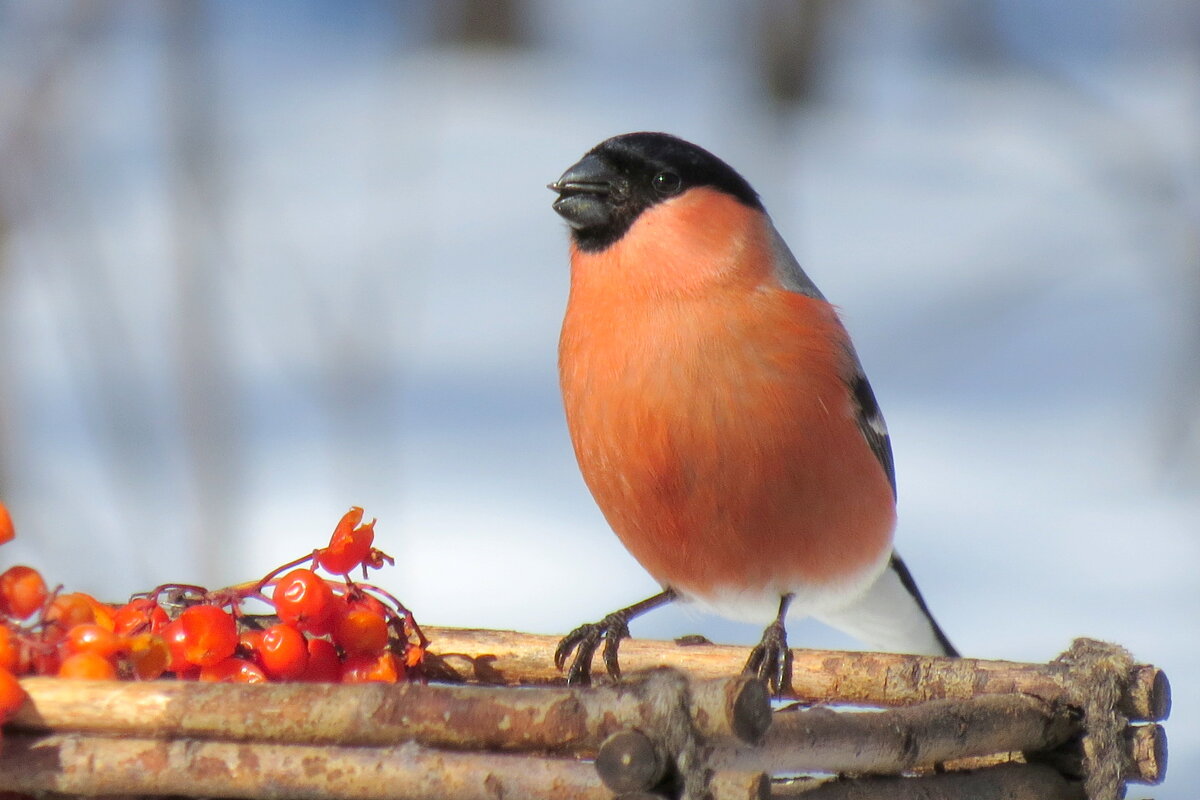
{"x": 263, "y": 261}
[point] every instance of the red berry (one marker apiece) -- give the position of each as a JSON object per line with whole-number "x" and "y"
{"x": 361, "y": 632}
{"x": 7, "y": 532}
{"x": 232, "y": 670}
{"x": 384, "y": 667}
{"x": 370, "y": 603}
{"x": 77, "y": 608}
{"x": 209, "y": 634}
{"x": 139, "y": 615}
{"x": 305, "y": 600}
{"x": 88, "y": 666}
{"x": 284, "y": 652}
{"x": 10, "y": 653}
{"x": 350, "y": 544}
{"x": 149, "y": 655}
{"x": 12, "y": 696}
{"x": 22, "y": 591}
{"x": 91, "y": 638}
{"x": 176, "y": 639}
{"x": 69, "y": 610}
{"x": 324, "y": 666}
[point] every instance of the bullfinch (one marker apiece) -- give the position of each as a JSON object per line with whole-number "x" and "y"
{"x": 719, "y": 413}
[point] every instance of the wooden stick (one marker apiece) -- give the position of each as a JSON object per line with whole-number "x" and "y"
{"x": 629, "y": 761}
{"x": 1148, "y": 696}
{"x": 1147, "y": 754}
{"x": 548, "y": 719}
{"x": 732, "y": 785}
{"x": 878, "y": 679}
{"x": 94, "y": 765}
{"x": 1003, "y": 782}
{"x": 902, "y": 739}
{"x": 632, "y": 765}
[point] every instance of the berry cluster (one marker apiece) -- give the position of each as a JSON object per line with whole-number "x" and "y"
{"x": 320, "y": 629}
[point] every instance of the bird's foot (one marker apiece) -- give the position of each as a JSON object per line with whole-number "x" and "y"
{"x": 583, "y": 642}
{"x": 771, "y": 659}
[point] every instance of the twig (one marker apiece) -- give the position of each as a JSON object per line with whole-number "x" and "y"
{"x": 902, "y": 739}
{"x": 1143, "y": 756}
{"x": 825, "y": 676}
{"x": 1147, "y": 754}
{"x": 1003, "y": 782}
{"x": 549, "y": 719}
{"x": 95, "y": 765}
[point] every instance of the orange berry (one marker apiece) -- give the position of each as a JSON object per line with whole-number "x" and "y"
{"x": 12, "y": 696}
{"x": 209, "y": 634}
{"x": 232, "y": 670}
{"x": 350, "y": 544}
{"x": 139, "y": 615}
{"x": 7, "y": 531}
{"x": 370, "y": 603}
{"x": 348, "y": 522}
{"x": 361, "y": 632}
{"x": 69, "y": 610}
{"x": 10, "y": 653}
{"x": 22, "y": 591}
{"x": 149, "y": 655}
{"x": 176, "y": 639}
{"x": 323, "y": 666}
{"x": 323, "y": 626}
{"x": 284, "y": 652}
{"x": 104, "y": 613}
{"x": 305, "y": 600}
{"x": 385, "y": 668}
{"x": 87, "y": 666}
{"x": 91, "y": 638}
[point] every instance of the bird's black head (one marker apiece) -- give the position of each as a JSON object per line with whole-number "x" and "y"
{"x": 618, "y": 179}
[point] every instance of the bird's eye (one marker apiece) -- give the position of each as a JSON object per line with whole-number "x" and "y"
{"x": 666, "y": 183}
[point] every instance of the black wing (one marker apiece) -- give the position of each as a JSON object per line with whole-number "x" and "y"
{"x": 870, "y": 422}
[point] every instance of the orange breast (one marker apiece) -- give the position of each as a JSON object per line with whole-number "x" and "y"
{"x": 709, "y": 412}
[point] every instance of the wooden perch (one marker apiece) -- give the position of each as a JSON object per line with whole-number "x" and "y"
{"x": 819, "y": 676}
{"x": 1002, "y": 782}
{"x": 75, "y": 764}
{"x": 546, "y": 719}
{"x": 902, "y": 739}
{"x": 96, "y": 765}
{"x": 660, "y": 733}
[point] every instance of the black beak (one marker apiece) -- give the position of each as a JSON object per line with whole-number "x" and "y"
{"x": 585, "y": 192}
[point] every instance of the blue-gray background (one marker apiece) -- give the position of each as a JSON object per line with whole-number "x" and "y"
{"x": 260, "y": 262}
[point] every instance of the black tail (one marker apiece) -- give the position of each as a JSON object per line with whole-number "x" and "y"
{"x": 906, "y": 579}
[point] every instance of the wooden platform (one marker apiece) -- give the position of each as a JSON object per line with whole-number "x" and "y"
{"x": 496, "y": 721}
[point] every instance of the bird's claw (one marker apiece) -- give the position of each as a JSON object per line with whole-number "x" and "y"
{"x": 584, "y": 641}
{"x": 771, "y": 659}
